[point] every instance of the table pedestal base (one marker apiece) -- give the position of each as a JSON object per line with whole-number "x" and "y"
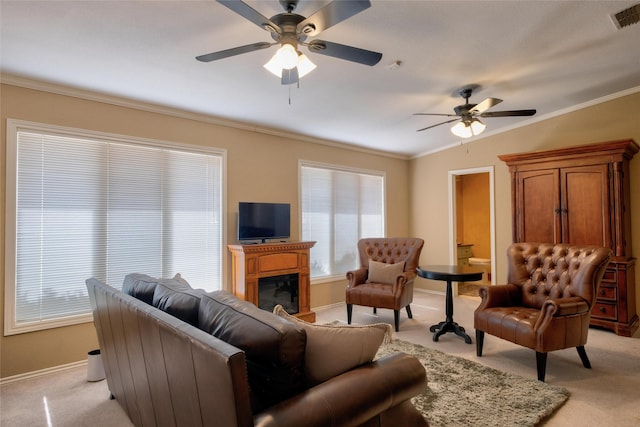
{"x": 449, "y": 273}
{"x": 449, "y": 326}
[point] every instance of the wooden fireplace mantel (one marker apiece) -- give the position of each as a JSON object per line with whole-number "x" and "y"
{"x": 249, "y": 263}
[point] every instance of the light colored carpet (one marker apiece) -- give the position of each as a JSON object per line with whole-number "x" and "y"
{"x": 61, "y": 399}
{"x": 456, "y": 393}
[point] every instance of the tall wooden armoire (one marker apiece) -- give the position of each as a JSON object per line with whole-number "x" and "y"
{"x": 581, "y": 195}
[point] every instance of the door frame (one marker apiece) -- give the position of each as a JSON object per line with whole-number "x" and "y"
{"x": 453, "y": 244}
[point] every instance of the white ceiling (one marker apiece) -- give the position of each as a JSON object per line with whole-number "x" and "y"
{"x": 548, "y": 55}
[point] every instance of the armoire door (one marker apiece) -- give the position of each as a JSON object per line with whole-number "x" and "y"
{"x": 538, "y": 206}
{"x": 585, "y": 205}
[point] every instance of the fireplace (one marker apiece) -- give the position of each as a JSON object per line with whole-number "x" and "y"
{"x": 282, "y": 289}
{"x": 274, "y": 273}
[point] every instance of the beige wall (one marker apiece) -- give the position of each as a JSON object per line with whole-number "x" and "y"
{"x": 612, "y": 120}
{"x": 417, "y": 198}
{"x": 260, "y": 167}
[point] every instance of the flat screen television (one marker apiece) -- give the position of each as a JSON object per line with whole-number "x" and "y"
{"x": 263, "y": 221}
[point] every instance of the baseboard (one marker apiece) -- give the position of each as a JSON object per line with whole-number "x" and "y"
{"x": 329, "y": 306}
{"x": 428, "y": 291}
{"x": 42, "y": 372}
{"x": 342, "y": 303}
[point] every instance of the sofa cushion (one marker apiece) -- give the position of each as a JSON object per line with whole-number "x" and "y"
{"x": 177, "y": 298}
{"x": 334, "y": 349}
{"x": 380, "y": 272}
{"x": 274, "y": 347}
{"x": 140, "y": 286}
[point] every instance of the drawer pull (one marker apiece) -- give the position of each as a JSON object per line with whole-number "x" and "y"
{"x": 603, "y": 310}
{"x": 601, "y": 292}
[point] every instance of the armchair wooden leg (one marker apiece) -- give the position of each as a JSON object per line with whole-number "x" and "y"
{"x": 375, "y": 310}
{"x": 409, "y": 314}
{"x": 583, "y": 357}
{"x": 541, "y": 363}
{"x": 479, "y": 342}
{"x": 396, "y": 319}
{"x": 349, "y": 312}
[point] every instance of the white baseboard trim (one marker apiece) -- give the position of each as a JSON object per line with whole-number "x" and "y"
{"x": 428, "y": 291}
{"x": 329, "y": 306}
{"x": 41, "y": 372}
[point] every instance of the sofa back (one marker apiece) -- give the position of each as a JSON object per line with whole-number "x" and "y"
{"x": 274, "y": 347}
{"x": 163, "y": 371}
{"x": 550, "y": 271}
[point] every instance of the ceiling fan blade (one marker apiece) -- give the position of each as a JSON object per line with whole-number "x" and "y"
{"x": 233, "y": 51}
{"x": 435, "y": 114}
{"x": 247, "y": 12}
{"x": 485, "y": 105}
{"x": 348, "y": 53}
{"x": 289, "y": 76}
{"x": 509, "y": 113}
{"x": 330, "y": 15}
{"x": 432, "y": 126}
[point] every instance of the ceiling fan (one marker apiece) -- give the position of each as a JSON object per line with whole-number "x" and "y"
{"x": 468, "y": 114}
{"x": 291, "y": 30}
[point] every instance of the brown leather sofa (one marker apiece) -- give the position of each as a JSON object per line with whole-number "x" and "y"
{"x": 546, "y": 305}
{"x": 174, "y": 356}
{"x": 397, "y": 292}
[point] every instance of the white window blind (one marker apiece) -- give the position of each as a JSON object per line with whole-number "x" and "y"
{"x": 339, "y": 207}
{"x": 95, "y": 207}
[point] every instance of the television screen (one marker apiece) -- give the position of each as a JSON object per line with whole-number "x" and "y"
{"x": 262, "y": 221}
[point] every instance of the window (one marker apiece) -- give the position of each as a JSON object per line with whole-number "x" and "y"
{"x": 339, "y": 207}
{"x": 83, "y": 204}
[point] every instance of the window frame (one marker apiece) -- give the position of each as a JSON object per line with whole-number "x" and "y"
{"x": 339, "y": 168}
{"x": 14, "y": 126}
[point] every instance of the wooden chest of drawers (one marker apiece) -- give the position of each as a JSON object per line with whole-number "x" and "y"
{"x": 615, "y": 304}
{"x": 464, "y": 253}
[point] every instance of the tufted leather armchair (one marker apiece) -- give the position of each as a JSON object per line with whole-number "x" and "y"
{"x": 547, "y": 302}
{"x": 396, "y": 295}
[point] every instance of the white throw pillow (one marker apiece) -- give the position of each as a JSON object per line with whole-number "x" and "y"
{"x": 334, "y": 349}
{"x": 380, "y": 272}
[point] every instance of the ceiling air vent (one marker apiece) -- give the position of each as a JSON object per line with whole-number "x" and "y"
{"x": 629, "y": 16}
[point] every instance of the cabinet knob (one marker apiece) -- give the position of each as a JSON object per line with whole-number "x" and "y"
{"x": 601, "y": 292}
{"x": 603, "y": 310}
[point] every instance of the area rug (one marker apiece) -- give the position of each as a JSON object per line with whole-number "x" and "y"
{"x": 461, "y": 392}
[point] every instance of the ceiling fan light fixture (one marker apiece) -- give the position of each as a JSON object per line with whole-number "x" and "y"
{"x": 467, "y": 129}
{"x": 287, "y": 56}
{"x": 302, "y": 62}
{"x": 477, "y": 127}
{"x": 274, "y": 67}
{"x": 305, "y": 66}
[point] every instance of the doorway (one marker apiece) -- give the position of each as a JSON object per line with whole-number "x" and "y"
{"x": 472, "y": 224}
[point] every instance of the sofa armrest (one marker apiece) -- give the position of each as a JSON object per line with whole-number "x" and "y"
{"x": 500, "y": 296}
{"x": 352, "y": 398}
{"x": 357, "y": 277}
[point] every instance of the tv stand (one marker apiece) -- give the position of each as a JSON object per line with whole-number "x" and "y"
{"x": 251, "y": 262}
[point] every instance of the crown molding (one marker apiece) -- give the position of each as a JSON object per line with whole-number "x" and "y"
{"x": 75, "y": 92}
